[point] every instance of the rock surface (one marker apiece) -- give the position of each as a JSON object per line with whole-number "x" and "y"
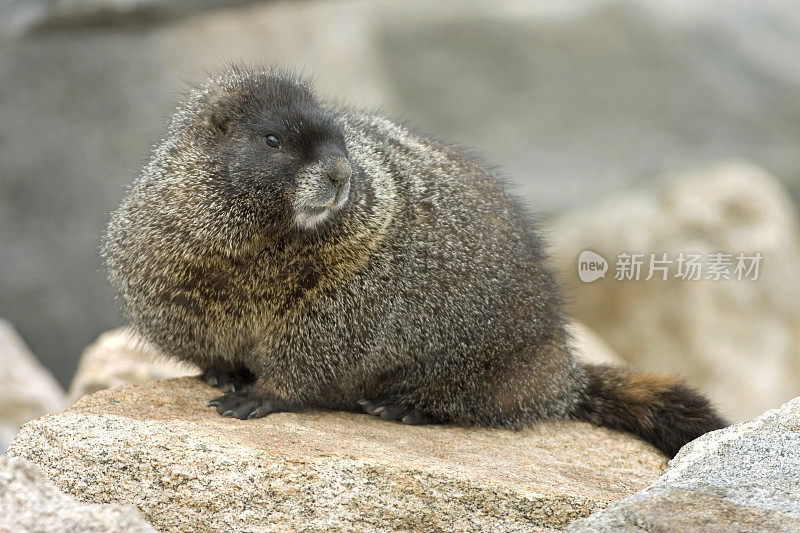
{"x": 27, "y": 389}
{"x": 28, "y": 502}
{"x": 742, "y": 478}
{"x": 118, "y": 357}
{"x": 725, "y": 335}
{"x": 158, "y": 447}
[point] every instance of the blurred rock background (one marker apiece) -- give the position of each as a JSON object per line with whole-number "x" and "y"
{"x": 738, "y": 341}
{"x": 573, "y": 100}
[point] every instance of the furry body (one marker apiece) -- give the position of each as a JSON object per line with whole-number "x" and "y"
{"x": 416, "y": 289}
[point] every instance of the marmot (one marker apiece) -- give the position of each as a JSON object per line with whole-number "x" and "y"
{"x": 306, "y": 255}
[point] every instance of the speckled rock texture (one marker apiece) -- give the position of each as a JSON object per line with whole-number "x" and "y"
{"x": 742, "y": 478}
{"x": 118, "y": 357}
{"x": 30, "y": 503}
{"x": 158, "y": 447}
{"x": 27, "y": 389}
{"x": 723, "y": 336}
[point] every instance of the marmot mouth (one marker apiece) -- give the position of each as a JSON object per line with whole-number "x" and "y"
{"x": 338, "y": 200}
{"x": 309, "y": 217}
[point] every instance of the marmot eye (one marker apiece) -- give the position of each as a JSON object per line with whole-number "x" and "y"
{"x": 272, "y": 141}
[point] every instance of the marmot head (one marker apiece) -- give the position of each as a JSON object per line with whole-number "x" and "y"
{"x": 253, "y": 154}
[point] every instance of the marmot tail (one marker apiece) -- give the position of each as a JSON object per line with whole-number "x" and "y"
{"x": 664, "y": 411}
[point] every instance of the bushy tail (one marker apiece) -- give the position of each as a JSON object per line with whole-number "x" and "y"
{"x": 664, "y": 411}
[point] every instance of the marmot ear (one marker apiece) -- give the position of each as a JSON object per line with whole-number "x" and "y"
{"x": 216, "y": 111}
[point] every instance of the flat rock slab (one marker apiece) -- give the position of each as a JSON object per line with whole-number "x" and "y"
{"x": 186, "y": 468}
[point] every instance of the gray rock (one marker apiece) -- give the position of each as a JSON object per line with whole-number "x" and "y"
{"x": 742, "y": 478}
{"x": 27, "y": 389}
{"x": 28, "y": 502}
{"x": 578, "y": 98}
{"x": 186, "y": 468}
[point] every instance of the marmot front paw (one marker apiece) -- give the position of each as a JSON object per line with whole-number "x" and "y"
{"x": 246, "y": 405}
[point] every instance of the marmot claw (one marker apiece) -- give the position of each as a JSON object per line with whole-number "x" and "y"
{"x": 246, "y": 405}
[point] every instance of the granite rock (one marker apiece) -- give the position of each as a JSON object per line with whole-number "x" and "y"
{"x": 742, "y": 478}
{"x": 158, "y": 447}
{"x": 29, "y": 502}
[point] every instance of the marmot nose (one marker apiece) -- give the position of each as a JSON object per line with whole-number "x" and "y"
{"x": 338, "y": 170}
